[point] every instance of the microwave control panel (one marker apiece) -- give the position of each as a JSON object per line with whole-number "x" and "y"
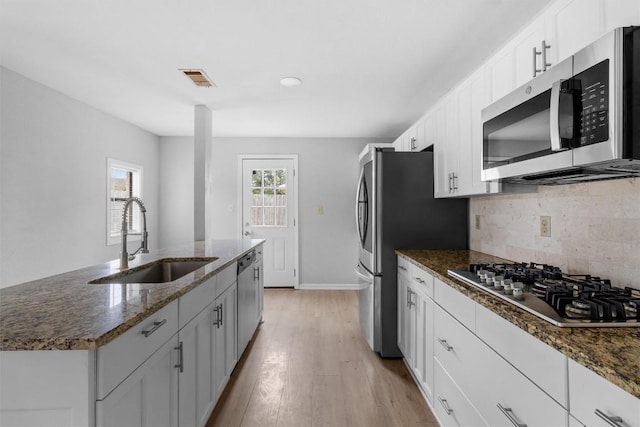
{"x": 594, "y": 103}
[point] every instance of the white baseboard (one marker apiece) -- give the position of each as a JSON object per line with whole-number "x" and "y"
{"x": 330, "y": 286}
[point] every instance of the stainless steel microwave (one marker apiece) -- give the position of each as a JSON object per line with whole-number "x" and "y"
{"x": 578, "y": 121}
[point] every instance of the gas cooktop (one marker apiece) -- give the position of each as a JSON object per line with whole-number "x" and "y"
{"x": 562, "y": 299}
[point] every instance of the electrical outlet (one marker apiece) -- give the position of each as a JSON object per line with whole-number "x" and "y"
{"x": 545, "y": 226}
{"x": 477, "y": 222}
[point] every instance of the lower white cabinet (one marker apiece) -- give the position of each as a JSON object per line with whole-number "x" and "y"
{"x": 415, "y": 324}
{"x": 225, "y": 341}
{"x": 196, "y": 396}
{"x": 147, "y": 397}
{"x": 595, "y": 401}
{"x": 451, "y": 406}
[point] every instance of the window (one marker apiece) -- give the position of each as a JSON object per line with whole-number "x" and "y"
{"x": 269, "y": 198}
{"x": 124, "y": 180}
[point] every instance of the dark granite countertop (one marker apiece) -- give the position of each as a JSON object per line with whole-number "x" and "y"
{"x": 613, "y": 353}
{"x": 65, "y": 312}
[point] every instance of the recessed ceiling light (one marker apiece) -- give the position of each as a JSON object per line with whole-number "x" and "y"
{"x": 198, "y": 77}
{"x": 290, "y": 81}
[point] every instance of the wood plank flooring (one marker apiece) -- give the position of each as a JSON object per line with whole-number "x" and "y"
{"x": 308, "y": 365}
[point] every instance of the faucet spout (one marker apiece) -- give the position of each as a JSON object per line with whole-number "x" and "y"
{"x": 125, "y": 257}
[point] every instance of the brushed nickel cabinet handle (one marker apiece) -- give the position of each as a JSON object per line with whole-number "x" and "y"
{"x": 536, "y": 70}
{"x": 508, "y": 412}
{"x": 445, "y": 344}
{"x": 445, "y": 405}
{"x": 156, "y": 326}
{"x": 611, "y": 420}
{"x": 180, "y": 364}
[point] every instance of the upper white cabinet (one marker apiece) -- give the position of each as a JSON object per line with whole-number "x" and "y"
{"x": 417, "y": 137}
{"x": 458, "y": 131}
{"x": 564, "y": 28}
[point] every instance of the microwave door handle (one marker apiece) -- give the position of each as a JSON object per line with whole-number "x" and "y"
{"x": 554, "y": 122}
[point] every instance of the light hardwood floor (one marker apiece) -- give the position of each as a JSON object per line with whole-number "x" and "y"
{"x": 308, "y": 365}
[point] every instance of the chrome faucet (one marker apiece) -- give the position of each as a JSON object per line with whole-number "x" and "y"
{"x": 124, "y": 256}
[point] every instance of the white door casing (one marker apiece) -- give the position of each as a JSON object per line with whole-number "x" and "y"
{"x": 269, "y": 201}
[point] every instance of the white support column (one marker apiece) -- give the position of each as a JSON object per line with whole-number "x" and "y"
{"x": 203, "y": 173}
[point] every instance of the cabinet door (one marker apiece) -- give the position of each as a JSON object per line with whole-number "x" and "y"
{"x": 572, "y": 25}
{"x": 501, "y": 74}
{"x": 225, "y": 344}
{"x": 423, "y": 363}
{"x": 402, "y": 304}
{"x": 259, "y": 285}
{"x": 463, "y": 152}
{"x": 196, "y": 399}
{"x": 442, "y": 181}
{"x": 148, "y": 397}
{"x": 621, "y": 13}
{"x": 525, "y": 61}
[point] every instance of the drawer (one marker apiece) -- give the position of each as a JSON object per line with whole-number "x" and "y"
{"x": 451, "y": 406}
{"x": 456, "y": 349}
{"x": 457, "y": 304}
{"x": 196, "y": 300}
{"x": 539, "y": 362}
{"x": 225, "y": 278}
{"x": 589, "y": 392}
{"x": 507, "y": 398}
{"x": 404, "y": 267}
{"x": 259, "y": 253}
{"x": 119, "y": 358}
{"x": 423, "y": 280}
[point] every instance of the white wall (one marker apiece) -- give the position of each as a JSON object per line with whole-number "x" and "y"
{"x": 53, "y": 180}
{"x": 327, "y": 176}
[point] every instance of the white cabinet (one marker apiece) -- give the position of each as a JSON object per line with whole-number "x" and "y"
{"x": 458, "y": 145}
{"x": 451, "y": 406}
{"x": 225, "y": 338}
{"x": 594, "y": 401}
{"x": 417, "y": 137}
{"x": 564, "y": 28}
{"x": 405, "y": 327}
{"x": 196, "y": 399}
{"x": 415, "y": 323}
{"x": 148, "y": 396}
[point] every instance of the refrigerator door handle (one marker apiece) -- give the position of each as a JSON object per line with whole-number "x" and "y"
{"x": 364, "y": 275}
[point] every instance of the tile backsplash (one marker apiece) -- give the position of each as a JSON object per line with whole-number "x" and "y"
{"x": 595, "y": 228}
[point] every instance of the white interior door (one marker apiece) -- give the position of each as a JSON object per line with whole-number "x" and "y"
{"x": 269, "y": 211}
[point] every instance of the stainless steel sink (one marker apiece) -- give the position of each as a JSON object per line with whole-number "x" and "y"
{"x": 161, "y": 271}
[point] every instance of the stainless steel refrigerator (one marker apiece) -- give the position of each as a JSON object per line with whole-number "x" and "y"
{"x": 395, "y": 209}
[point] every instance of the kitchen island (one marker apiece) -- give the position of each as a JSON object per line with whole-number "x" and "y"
{"x": 611, "y": 353}
{"x": 81, "y": 353}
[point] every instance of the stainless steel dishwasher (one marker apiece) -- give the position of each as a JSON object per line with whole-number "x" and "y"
{"x": 247, "y": 300}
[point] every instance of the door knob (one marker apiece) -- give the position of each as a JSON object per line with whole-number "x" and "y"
{"x": 247, "y": 233}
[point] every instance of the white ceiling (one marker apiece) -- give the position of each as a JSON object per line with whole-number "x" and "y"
{"x": 369, "y": 68}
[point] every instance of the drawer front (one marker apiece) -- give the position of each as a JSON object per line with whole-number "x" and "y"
{"x": 259, "y": 253}
{"x": 457, "y": 304}
{"x": 404, "y": 267}
{"x": 119, "y": 358}
{"x": 589, "y": 392}
{"x": 225, "y": 278}
{"x": 508, "y": 398}
{"x": 423, "y": 280}
{"x": 451, "y": 406}
{"x": 196, "y": 300}
{"x": 456, "y": 348}
{"x": 542, "y": 364}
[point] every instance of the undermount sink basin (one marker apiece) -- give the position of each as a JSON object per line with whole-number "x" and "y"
{"x": 161, "y": 271}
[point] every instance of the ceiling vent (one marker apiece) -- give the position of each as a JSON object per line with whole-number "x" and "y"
{"x": 198, "y": 77}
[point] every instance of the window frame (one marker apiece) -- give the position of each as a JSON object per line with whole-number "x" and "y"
{"x": 137, "y": 187}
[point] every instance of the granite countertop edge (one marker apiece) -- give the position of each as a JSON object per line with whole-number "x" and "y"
{"x": 33, "y": 315}
{"x": 621, "y": 369}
